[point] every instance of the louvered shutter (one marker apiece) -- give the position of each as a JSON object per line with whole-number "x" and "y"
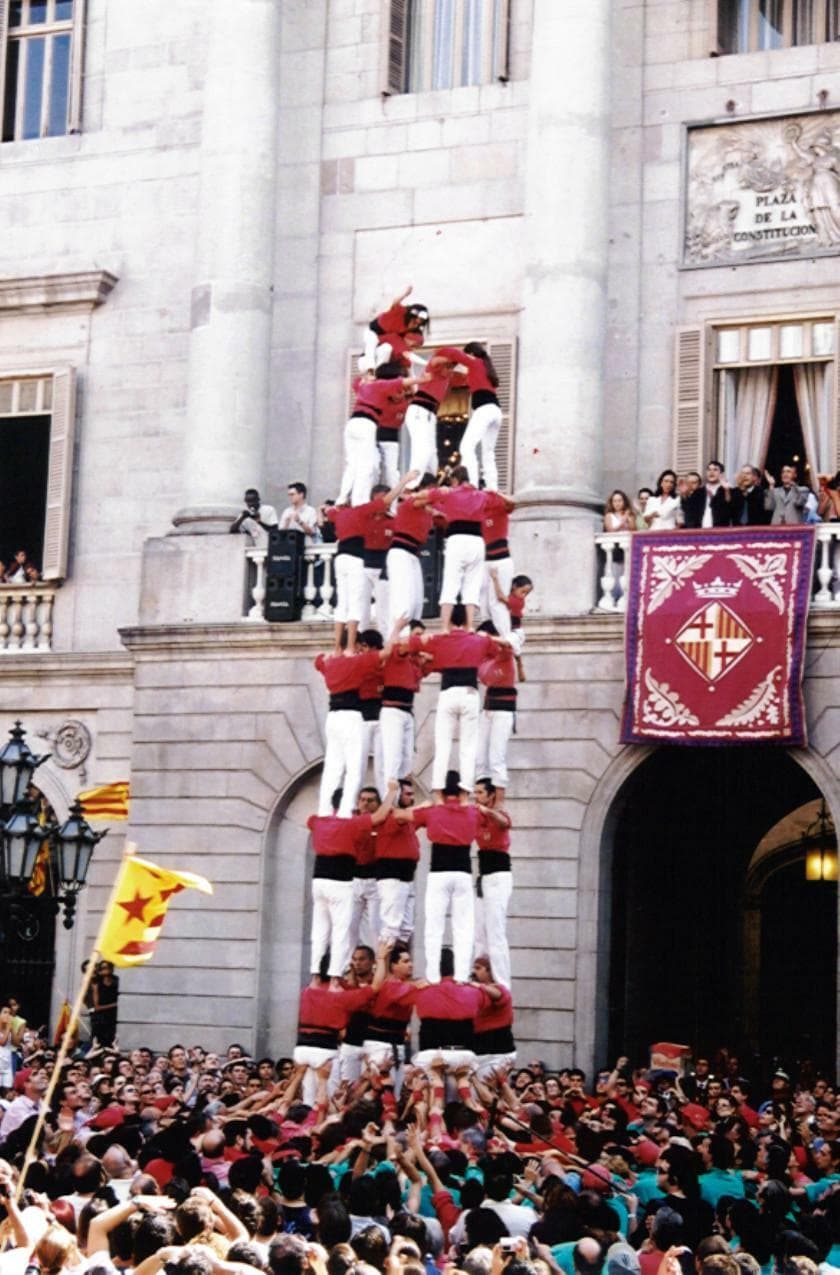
{"x": 501, "y": 44}
{"x": 689, "y": 399}
{"x": 503, "y": 354}
{"x": 396, "y": 69}
{"x": 77, "y": 52}
{"x": 4, "y": 57}
{"x": 60, "y": 473}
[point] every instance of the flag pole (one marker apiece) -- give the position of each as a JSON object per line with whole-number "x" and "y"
{"x": 67, "y": 1039}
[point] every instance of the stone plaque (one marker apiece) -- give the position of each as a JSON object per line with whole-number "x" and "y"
{"x": 762, "y": 190}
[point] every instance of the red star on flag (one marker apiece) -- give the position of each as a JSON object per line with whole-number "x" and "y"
{"x": 165, "y": 895}
{"x": 136, "y": 907}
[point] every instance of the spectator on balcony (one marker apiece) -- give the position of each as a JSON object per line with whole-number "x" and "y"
{"x": 786, "y": 501}
{"x": 618, "y": 512}
{"x": 299, "y": 516}
{"x": 706, "y": 504}
{"x": 20, "y": 568}
{"x": 256, "y": 519}
{"x": 662, "y": 511}
{"x": 643, "y": 495}
{"x": 747, "y": 499}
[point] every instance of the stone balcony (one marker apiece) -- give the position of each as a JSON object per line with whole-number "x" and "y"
{"x": 26, "y": 612}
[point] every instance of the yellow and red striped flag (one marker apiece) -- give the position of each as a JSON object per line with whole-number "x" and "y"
{"x": 141, "y": 897}
{"x": 61, "y": 1025}
{"x": 109, "y": 801}
{"x": 38, "y": 880}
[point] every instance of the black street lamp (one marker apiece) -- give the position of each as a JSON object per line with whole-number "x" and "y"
{"x": 23, "y": 836}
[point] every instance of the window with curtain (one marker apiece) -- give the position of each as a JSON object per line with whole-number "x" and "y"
{"x": 445, "y": 44}
{"x": 748, "y": 26}
{"x": 40, "y": 68}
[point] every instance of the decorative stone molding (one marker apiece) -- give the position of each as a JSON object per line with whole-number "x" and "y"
{"x": 32, "y": 294}
{"x": 71, "y": 744}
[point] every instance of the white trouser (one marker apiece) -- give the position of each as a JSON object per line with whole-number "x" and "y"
{"x": 344, "y": 760}
{"x": 449, "y": 892}
{"x": 483, "y": 427}
{"x": 390, "y": 469}
{"x": 373, "y": 748}
{"x": 451, "y": 1058}
{"x": 368, "y": 360}
{"x": 382, "y": 1055}
{"x": 485, "y": 1063}
{"x": 375, "y": 590}
{"x": 405, "y": 586}
{"x": 396, "y": 911}
{"x": 491, "y": 921}
{"x": 350, "y": 588}
{"x": 332, "y": 914}
{"x": 348, "y": 1064}
{"x": 490, "y": 604}
{"x": 494, "y": 731}
{"x": 396, "y": 733}
{"x": 364, "y": 926}
{"x": 459, "y": 706}
{"x": 311, "y": 1056}
{"x": 361, "y": 461}
{"x": 463, "y": 570}
{"x": 422, "y": 433}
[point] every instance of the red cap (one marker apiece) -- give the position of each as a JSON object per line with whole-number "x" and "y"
{"x": 646, "y": 1151}
{"x": 108, "y": 1118}
{"x": 596, "y": 1178}
{"x": 695, "y": 1115}
{"x": 161, "y": 1171}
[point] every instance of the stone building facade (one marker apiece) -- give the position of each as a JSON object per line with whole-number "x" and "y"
{"x": 184, "y": 281}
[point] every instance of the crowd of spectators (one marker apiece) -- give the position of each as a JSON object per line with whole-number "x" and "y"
{"x": 196, "y": 1162}
{"x": 754, "y": 499}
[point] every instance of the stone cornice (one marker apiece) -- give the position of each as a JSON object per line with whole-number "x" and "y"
{"x": 55, "y": 666}
{"x": 82, "y": 290}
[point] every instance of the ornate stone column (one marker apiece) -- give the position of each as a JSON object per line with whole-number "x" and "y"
{"x": 558, "y": 461}
{"x": 228, "y": 387}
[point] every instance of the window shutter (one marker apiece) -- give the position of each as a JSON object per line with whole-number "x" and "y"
{"x": 689, "y": 396}
{"x": 4, "y": 57}
{"x": 77, "y": 53}
{"x": 503, "y": 354}
{"x": 501, "y": 42}
{"x": 60, "y": 473}
{"x": 397, "y": 46}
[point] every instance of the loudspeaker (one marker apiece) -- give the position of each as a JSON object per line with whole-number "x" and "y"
{"x": 431, "y": 564}
{"x": 284, "y": 575}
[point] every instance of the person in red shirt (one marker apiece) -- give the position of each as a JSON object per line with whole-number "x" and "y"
{"x": 396, "y": 855}
{"x": 364, "y": 925}
{"x": 457, "y": 655}
{"x": 385, "y": 335}
{"x": 486, "y": 415}
{"x": 390, "y": 1011}
{"x": 344, "y": 729}
{"x": 498, "y": 715}
{"x": 411, "y": 529}
{"x": 465, "y": 509}
{"x": 377, "y": 537}
{"x": 324, "y": 1013}
{"x": 494, "y": 1043}
{"x": 514, "y": 604}
{"x": 421, "y": 416}
{"x": 452, "y": 825}
{"x": 335, "y": 842}
{"x": 495, "y": 530}
{"x": 361, "y": 455}
{"x": 447, "y": 1010}
{"x": 495, "y": 881}
{"x": 401, "y": 676}
{"x": 352, "y": 524}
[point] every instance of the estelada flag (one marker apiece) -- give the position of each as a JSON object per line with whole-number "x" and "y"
{"x": 141, "y": 896}
{"x": 109, "y": 801}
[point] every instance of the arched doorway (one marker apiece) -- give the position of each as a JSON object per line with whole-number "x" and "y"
{"x": 684, "y": 966}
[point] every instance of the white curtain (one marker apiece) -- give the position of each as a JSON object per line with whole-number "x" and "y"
{"x": 443, "y": 44}
{"x": 748, "y": 428}
{"x": 812, "y": 383}
{"x": 471, "y": 57}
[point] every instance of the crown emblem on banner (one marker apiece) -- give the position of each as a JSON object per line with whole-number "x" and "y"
{"x": 718, "y": 588}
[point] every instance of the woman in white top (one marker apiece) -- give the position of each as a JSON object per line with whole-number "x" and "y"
{"x": 662, "y": 511}
{"x": 618, "y": 515}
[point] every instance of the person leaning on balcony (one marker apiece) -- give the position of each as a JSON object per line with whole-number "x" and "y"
{"x": 618, "y": 514}
{"x": 299, "y": 516}
{"x": 256, "y": 519}
{"x": 785, "y": 501}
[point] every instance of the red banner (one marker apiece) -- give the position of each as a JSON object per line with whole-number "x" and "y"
{"x": 716, "y": 625}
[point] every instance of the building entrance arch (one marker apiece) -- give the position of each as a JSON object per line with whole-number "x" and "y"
{"x": 678, "y": 958}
